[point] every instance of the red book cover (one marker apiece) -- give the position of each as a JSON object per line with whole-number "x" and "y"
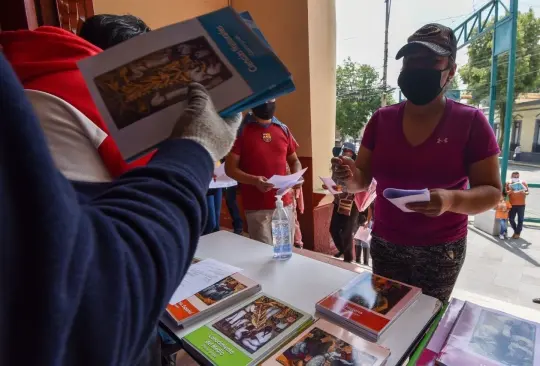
{"x": 370, "y": 301}
{"x": 211, "y": 296}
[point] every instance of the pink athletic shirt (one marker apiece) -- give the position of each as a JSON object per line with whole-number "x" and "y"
{"x": 462, "y": 137}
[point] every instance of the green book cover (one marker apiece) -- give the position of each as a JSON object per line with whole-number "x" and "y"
{"x": 248, "y": 333}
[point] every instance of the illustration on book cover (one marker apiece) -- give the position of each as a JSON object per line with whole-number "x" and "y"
{"x": 257, "y": 323}
{"x": 376, "y": 293}
{"x": 160, "y": 79}
{"x": 220, "y": 290}
{"x": 319, "y": 348}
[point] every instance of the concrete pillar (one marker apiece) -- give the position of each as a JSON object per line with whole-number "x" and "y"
{"x": 303, "y": 34}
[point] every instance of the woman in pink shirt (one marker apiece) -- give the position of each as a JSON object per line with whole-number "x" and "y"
{"x": 431, "y": 142}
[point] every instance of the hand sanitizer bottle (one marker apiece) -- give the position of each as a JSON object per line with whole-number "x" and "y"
{"x": 281, "y": 232}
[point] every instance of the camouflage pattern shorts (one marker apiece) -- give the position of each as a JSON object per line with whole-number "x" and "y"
{"x": 433, "y": 268}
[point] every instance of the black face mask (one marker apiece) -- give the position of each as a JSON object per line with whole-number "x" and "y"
{"x": 265, "y": 111}
{"x": 420, "y": 86}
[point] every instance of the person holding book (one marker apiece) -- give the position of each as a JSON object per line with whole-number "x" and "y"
{"x": 517, "y": 191}
{"x": 501, "y": 214}
{"x": 265, "y": 147}
{"x": 96, "y": 276}
{"x": 428, "y": 141}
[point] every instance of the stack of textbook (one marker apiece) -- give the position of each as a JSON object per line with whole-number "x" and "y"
{"x": 368, "y": 304}
{"x": 247, "y": 334}
{"x": 221, "y": 295}
{"x": 140, "y": 86}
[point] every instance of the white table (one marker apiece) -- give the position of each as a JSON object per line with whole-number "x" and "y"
{"x": 302, "y": 281}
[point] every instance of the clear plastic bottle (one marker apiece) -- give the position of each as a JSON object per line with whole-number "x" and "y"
{"x": 281, "y": 232}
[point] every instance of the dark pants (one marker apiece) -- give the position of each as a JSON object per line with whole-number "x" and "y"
{"x": 362, "y": 251}
{"x": 230, "y": 198}
{"x": 213, "y": 201}
{"x": 342, "y": 231}
{"x": 433, "y": 268}
{"x": 520, "y": 212}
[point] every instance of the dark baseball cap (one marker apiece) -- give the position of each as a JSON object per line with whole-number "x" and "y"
{"x": 348, "y": 146}
{"x": 437, "y": 38}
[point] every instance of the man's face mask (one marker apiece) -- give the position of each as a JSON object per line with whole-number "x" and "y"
{"x": 422, "y": 85}
{"x": 265, "y": 111}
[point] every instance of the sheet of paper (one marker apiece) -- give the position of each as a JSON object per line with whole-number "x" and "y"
{"x": 200, "y": 275}
{"x": 329, "y": 182}
{"x": 400, "y": 197}
{"x": 285, "y": 181}
{"x": 219, "y": 170}
{"x": 222, "y": 180}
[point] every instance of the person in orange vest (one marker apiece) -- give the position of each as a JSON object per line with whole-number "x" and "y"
{"x": 517, "y": 191}
{"x": 501, "y": 215}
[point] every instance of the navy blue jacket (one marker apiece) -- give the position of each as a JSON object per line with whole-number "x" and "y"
{"x": 84, "y": 283}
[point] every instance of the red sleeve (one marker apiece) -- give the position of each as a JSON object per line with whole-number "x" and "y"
{"x": 368, "y": 138}
{"x": 482, "y": 142}
{"x": 292, "y": 145}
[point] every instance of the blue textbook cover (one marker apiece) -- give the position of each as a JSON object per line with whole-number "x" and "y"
{"x": 140, "y": 86}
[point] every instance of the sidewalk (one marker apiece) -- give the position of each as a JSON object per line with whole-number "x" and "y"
{"x": 503, "y": 274}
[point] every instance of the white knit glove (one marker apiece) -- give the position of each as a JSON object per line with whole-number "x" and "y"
{"x": 201, "y": 123}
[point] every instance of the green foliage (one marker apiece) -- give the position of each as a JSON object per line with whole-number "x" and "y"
{"x": 477, "y": 73}
{"x": 359, "y": 94}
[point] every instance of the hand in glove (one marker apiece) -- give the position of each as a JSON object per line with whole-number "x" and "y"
{"x": 201, "y": 123}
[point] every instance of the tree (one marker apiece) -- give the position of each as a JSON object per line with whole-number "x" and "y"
{"x": 359, "y": 94}
{"x": 477, "y": 73}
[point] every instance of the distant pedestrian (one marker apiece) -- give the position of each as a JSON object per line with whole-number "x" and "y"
{"x": 361, "y": 246}
{"x": 517, "y": 153}
{"x": 502, "y": 216}
{"x": 517, "y": 191}
{"x": 344, "y": 215}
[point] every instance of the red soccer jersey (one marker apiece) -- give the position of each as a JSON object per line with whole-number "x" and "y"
{"x": 263, "y": 151}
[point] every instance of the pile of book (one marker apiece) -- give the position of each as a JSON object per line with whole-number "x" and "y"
{"x": 369, "y": 304}
{"x": 469, "y": 334}
{"x": 259, "y": 329}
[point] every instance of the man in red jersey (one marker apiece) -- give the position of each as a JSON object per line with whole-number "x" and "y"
{"x": 264, "y": 147}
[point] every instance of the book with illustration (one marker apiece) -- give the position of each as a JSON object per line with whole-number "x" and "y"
{"x": 517, "y": 187}
{"x": 429, "y": 355}
{"x": 324, "y": 343}
{"x": 487, "y": 337}
{"x": 231, "y": 290}
{"x": 247, "y": 334}
{"x": 368, "y": 304}
{"x": 140, "y": 86}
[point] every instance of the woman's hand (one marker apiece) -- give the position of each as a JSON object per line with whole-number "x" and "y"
{"x": 441, "y": 201}
{"x": 343, "y": 168}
